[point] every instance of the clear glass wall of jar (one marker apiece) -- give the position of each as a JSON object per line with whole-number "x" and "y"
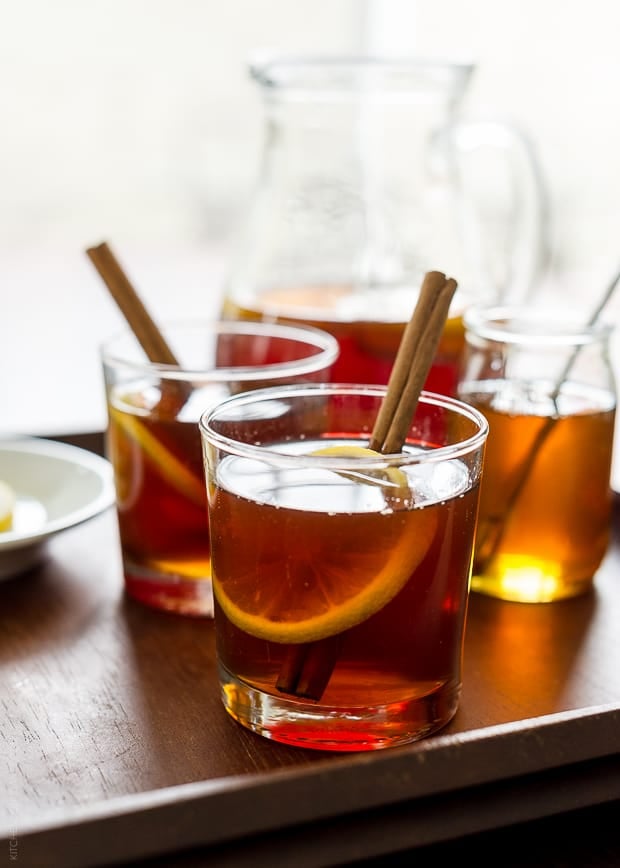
{"x": 546, "y": 385}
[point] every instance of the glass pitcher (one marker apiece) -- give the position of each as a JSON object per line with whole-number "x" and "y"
{"x": 368, "y": 180}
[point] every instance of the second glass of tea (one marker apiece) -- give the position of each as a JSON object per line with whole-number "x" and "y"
{"x": 546, "y": 386}
{"x": 154, "y": 445}
{"x": 340, "y": 575}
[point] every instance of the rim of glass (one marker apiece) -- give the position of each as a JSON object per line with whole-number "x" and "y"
{"x": 327, "y": 344}
{"x": 532, "y": 326}
{"x": 285, "y": 70}
{"x": 286, "y": 459}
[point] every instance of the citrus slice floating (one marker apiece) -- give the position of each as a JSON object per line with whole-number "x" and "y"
{"x": 168, "y": 465}
{"x": 7, "y": 505}
{"x": 393, "y": 476}
{"x": 334, "y": 578}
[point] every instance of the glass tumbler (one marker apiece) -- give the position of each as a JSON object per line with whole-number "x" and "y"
{"x": 340, "y": 575}
{"x": 546, "y": 386}
{"x": 154, "y": 444}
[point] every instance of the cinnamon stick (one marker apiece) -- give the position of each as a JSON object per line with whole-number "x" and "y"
{"x": 140, "y": 322}
{"x": 139, "y": 319}
{"x": 412, "y": 364}
{"x": 308, "y": 667}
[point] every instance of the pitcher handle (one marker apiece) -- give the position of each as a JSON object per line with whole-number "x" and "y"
{"x": 515, "y": 225}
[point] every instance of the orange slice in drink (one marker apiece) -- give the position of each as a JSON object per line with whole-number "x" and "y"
{"x": 7, "y": 505}
{"x": 388, "y": 477}
{"x": 168, "y": 465}
{"x": 334, "y": 583}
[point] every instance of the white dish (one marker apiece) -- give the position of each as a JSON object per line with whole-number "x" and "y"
{"x": 57, "y": 486}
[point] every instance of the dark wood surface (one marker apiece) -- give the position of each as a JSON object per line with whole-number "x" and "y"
{"x": 115, "y": 747}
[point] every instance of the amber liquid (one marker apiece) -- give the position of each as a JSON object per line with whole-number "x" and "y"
{"x": 161, "y": 502}
{"x": 368, "y": 345}
{"x": 403, "y": 663}
{"x": 547, "y": 542}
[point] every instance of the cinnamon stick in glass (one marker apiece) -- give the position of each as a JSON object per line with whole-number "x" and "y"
{"x": 138, "y": 318}
{"x": 308, "y": 667}
{"x": 124, "y": 294}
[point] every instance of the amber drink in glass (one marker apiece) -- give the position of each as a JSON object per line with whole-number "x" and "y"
{"x": 153, "y": 442}
{"x": 546, "y": 387}
{"x": 341, "y": 576}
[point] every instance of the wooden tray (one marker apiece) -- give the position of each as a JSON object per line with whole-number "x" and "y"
{"x": 115, "y": 746}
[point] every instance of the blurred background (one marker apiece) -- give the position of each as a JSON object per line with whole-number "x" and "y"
{"x": 135, "y": 122}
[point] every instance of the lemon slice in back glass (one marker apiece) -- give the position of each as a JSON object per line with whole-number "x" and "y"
{"x": 169, "y": 466}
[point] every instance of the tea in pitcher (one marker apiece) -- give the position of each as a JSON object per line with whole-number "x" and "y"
{"x": 363, "y": 188}
{"x": 367, "y": 346}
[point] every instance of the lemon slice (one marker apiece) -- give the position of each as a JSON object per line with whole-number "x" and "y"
{"x": 391, "y": 475}
{"x": 339, "y": 573}
{"x": 7, "y": 505}
{"x": 168, "y": 465}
